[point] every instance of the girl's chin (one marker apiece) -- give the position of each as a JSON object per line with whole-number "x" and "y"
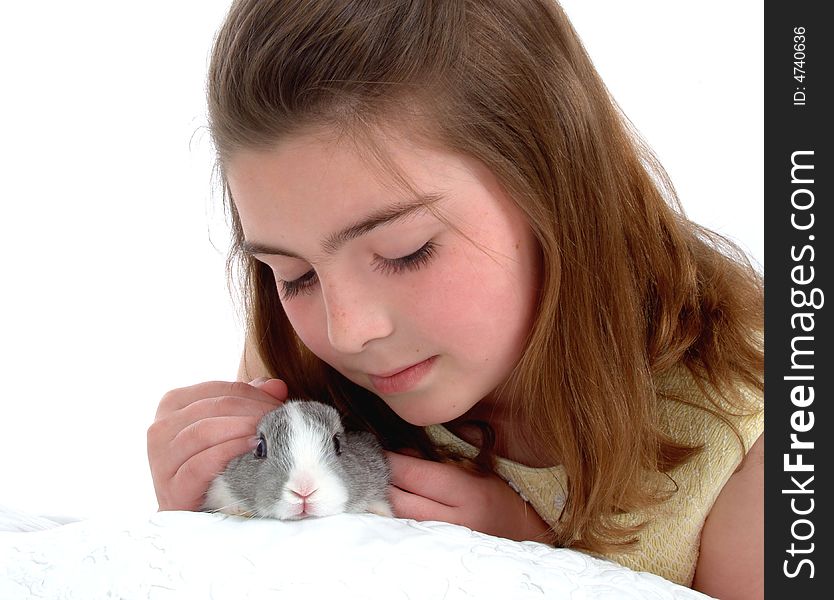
{"x": 419, "y": 411}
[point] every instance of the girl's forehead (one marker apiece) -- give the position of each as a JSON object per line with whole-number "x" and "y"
{"x": 329, "y": 166}
{"x": 310, "y": 193}
{"x": 378, "y": 149}
{"x": 318, "y": 183}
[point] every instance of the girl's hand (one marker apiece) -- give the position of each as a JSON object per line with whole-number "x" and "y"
{"x": 199, "y": 429}
{"x": 430, "y": 491}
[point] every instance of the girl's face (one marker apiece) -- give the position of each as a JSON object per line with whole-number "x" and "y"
{"x": 374, "y": 284}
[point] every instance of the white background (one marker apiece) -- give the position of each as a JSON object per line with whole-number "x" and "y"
{"x": 112, "y": 242}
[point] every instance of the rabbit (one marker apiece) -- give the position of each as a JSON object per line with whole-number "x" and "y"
{"x": 305, "y": 465}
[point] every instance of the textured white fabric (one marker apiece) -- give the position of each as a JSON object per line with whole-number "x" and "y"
{"x": 199, "y": 555}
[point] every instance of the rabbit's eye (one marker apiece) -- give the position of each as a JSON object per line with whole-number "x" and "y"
{"x": 260, "y": 450}
{"x": 337, "y": 444}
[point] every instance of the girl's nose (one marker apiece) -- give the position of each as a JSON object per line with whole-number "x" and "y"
{"x": 355, "y": 316}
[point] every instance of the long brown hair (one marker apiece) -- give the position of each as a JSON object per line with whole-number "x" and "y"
{"x": 631, "y": 289}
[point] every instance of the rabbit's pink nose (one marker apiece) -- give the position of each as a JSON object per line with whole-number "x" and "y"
{"x": 304, "y": 491}
{"x": 306, "y": 502}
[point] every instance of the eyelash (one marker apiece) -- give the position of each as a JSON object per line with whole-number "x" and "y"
{"x": 387, "y": 266}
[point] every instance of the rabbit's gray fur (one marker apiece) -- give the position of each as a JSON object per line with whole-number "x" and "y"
{"x": 302, "y": 459}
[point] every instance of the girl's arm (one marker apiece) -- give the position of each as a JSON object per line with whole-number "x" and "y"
{"x": 731, "y": 562}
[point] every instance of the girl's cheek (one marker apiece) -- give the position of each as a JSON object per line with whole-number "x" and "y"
{"x": 309, "y": 324}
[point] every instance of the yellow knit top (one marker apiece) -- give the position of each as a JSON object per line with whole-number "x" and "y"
{"x": 669, "y": 543}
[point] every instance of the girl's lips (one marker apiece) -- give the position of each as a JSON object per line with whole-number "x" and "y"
{"x": 403, "y": 380}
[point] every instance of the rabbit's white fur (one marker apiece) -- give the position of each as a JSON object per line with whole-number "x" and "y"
{"x": 312, "y": 467}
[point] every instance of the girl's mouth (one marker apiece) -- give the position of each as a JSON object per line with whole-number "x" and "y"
{"x": 402, "y": 380}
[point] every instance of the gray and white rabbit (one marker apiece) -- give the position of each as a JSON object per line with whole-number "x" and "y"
{"x": 305, "y": 465}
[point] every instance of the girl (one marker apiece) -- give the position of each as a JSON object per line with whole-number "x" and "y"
{"x": 444, "y": 226}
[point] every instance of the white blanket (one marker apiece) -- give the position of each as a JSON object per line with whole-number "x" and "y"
{"x": 196, "y": 555}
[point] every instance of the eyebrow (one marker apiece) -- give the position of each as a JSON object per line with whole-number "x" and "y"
{"x": 331, "y": 244}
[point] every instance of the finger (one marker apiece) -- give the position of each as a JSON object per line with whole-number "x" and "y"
{"x": 206, "y": 433}
{"x": 274, "y": 387}
{"x": 412, "y": 506}
{"x": 221, "y": 406}
{"x": 180, "y": 398}
{"x": 437, "y": 481}
{"x": 192, "y": 479}
{"x": 166, "y": 428}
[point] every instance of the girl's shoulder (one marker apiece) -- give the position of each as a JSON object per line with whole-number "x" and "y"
{"x": 669, "y": 542}
{"x": 693, "y": 412}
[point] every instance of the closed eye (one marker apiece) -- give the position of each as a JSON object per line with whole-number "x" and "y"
{"x": 290, "y": 289}
{"x": 412, "y": 262}
{"x": 387, "y": 266}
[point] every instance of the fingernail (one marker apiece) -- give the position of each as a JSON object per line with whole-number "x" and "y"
{"x": 258, "y": 381}
{"x": 253, "y": 442}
